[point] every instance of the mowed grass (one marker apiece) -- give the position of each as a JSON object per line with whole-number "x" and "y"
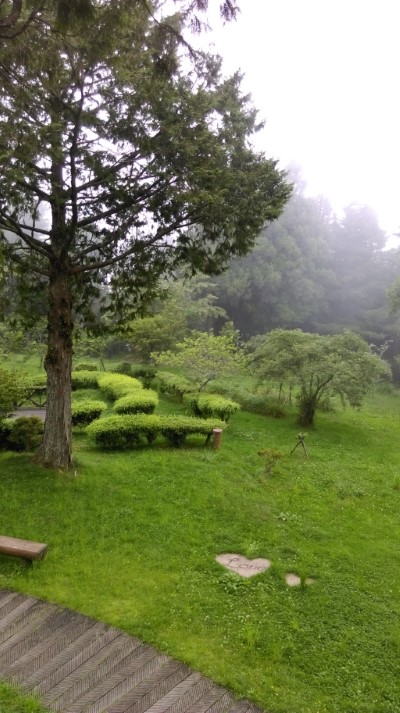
{"x": 133, "y": 539}
{"x": 11, "y": 701}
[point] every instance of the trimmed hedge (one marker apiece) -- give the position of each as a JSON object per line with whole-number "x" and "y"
{"x": 138, "y": 401}
{"x": 118, "y": 432}
{"x": 85, "y": 367}
{"x": 211, "y": 405}
{"x": 32, "y": 381}
{"x": 84, "y": 380}
{"x": 86, "y": 411}
{"x": 114, "y": 386}
{"x": 176, "y": 428}
{"x": 173, "y": 385}
{"x": 124, "y": 368}
{"x": 146, "y": 374}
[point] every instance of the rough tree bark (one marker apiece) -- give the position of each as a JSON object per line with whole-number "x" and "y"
{"x": 55, "y": 449}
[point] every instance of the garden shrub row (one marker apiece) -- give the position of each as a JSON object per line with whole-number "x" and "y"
{"x": 85, "y": 367}
{"x": 35, "y": 381}
{"x": 84, "y": 380}
{"x": 114, "y": 386}
{"x": 86, "y": 411}
{"x": 173, "y": 384}
{"x": 210, "y": 405}
{"x": 117, "y": 432}
{"x": 137, "y": 401}
{"x": 146, "y": 373}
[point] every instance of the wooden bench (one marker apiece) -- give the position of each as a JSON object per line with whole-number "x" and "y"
{"x": 26, "y": 549}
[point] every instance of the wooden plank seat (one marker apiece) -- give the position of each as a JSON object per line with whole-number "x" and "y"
{"x": 26, "y": 549}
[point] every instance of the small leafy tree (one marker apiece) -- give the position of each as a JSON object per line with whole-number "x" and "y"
{"x": 204, "y": 357}
{"x": 188, "y": 305}
{"x": 320, "y": 366}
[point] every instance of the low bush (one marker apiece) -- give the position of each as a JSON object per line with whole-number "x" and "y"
{"x": 6, "y": 426}
{"x": 114, "y": 386}
{"x": 211, "y": 405}
{"x": 124, "y": 368}
{"x": 124, "y": 431}
{"x": 117, "y": 432}
{"x": 85, "y": 367}
{"x": 138, "y": 401}
{"x": 84, "y": 379}
{"x": 173, "y": 384}
{"x": 86, "y": 411}
{"x": 190, "y": 401}
{"x": 177, "y": 428}
{"x": 32, "y": 381}
{"x": 146, "y": 374}
{"x": 26, "y": 433}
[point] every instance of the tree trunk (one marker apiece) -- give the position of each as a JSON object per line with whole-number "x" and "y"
{"x": 55, "y": 449}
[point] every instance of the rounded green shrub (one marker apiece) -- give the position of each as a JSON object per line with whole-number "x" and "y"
{"x": 124, "y": 368}
{"x": 146, "y": 374}
{"x": 124, "y": 431}
{"x": 138, "y": 401}
{"x": 32, "y": 381}
{"x": 176, "y": 428}
{"x": 211, "y": 405}
{"x": 86, "y": 411}
{"x": 84, "y": 379}
{"x": 114, "y": 386}
{"x": 173, "y": 384}
{"x": 85, "y": 367}
{"x": 190, "y": 401}
{"x": 26, "y": 433}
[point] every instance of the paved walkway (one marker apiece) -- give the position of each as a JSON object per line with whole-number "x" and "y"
{"x": 39, "y": 412}
{"x": 78, "y": 665}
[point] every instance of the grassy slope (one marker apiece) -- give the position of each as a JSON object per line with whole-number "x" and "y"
{"x": 133, "y": 540}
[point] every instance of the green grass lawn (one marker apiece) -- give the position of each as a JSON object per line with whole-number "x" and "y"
{"x": 11, "y": 701}
{"x": 133, "y": 539}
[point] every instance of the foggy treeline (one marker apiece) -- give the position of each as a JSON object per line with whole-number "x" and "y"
{"x": 310, "y": 269}
{"x": 316, "y": 271}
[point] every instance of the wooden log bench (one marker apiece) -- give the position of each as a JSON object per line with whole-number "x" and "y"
{"x": 26, "y": 549}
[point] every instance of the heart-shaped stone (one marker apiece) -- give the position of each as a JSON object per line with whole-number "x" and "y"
{"x": 241, "y": 565}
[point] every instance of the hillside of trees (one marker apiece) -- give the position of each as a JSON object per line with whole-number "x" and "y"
{"x": 310, "y": 269}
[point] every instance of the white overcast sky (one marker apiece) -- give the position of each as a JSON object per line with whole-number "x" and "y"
{"x": 324, "y": 74}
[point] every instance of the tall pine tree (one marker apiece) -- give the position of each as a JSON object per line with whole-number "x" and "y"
{"x": 139, "y": 160}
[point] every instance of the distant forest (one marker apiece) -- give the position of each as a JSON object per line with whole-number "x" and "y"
{"x": 313, "y": 270}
